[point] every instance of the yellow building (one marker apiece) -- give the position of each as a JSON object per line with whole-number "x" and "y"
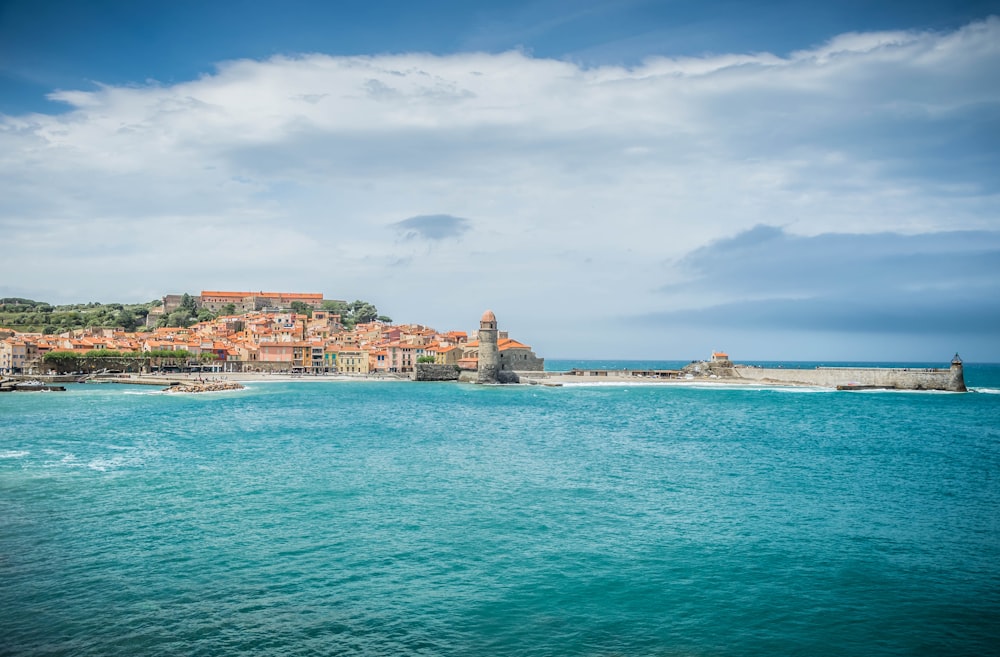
{"x": 353, "y": 361}
{"x": 17, "y": 356}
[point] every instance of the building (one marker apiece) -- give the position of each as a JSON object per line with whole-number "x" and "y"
{"x": 489, "y": 353}
{"x": 446, "y": 355}
{"x": 720, "y": 357}
{"x": 244, "y": 302}
{"x": 518, "y": 357}
{"x": 353, "y": 361}
{"x": 17, "y": 356}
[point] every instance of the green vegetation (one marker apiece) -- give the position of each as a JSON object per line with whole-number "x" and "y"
{"x": 94, "y": 354}
{"x": 425, "y": 359}
{"x": 29, "y": 316}
{"x": 185, "y": 315}
{"x": 65, "y": 358}
{"x": 69, "y": 361}
{"x": 352, "y": 314}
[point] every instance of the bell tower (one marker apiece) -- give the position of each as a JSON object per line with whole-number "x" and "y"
{"x": 489, "y": 353}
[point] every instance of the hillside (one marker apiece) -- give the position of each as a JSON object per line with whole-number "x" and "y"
{"x": 28, "y": 316}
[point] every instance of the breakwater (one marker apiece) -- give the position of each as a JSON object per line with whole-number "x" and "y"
{"x": 950, "y": 379}
{"x": 203, "y": 386}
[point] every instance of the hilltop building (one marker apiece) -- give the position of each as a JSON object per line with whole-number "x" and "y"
{"x": 244, "y": 302}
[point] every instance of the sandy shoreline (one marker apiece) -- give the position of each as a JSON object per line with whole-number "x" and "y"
{"x": 546, "y": 378}
{"x": 241, "y": 377}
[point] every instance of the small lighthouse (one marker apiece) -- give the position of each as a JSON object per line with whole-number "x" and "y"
{"x": 957, "y": 382}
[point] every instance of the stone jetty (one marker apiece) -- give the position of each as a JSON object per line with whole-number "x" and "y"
{"x": 205, "y": 386}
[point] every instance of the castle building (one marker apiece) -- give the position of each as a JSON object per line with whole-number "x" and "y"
{"x": 215, "y": 300}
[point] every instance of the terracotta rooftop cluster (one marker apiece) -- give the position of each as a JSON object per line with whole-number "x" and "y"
{"x": 267, "y": 341}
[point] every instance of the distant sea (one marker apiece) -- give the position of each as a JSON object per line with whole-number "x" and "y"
{"x": 394, "y": 518}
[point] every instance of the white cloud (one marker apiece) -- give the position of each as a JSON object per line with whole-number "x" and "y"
{"x": 575, "y": 184}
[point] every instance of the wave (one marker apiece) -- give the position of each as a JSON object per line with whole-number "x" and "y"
{"x": 647, "y": 384}
{"x": 800, "y": 390}
{"x": 611, "y": 384}
{"x": 13, "y": 454}
{"x": 702, "y": 385}
{"x": 103, "y": 464}
{"x": 898, "y": 391}
{"x": 987, "y": 391}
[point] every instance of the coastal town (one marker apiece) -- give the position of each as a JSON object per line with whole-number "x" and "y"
{"x": 251, "y": 334}
{"x": 257, "y": 332}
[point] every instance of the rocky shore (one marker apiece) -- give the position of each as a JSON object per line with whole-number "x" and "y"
{"x": 207, "y": 386}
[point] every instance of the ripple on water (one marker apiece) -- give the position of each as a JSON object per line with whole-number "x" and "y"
{"x": 404, "y": 519}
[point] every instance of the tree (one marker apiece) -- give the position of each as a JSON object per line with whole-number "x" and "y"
{"x": 425, "y": 359}
{"x": 187, "y": 303}
{"x": 356, "y": 312}
{"x": 126, "y": 319}
{"x": 336, "y": 307}
{"x": 384, "y": 319}
{"x": 228, "y": 309}
{"x": 302, "y": 308}
{"x": 363, "y": 312}
{"x": 62, "y": 361}
{"x": 180, "y": 318}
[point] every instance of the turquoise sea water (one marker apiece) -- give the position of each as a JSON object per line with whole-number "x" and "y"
{"x": 385, "y": 518}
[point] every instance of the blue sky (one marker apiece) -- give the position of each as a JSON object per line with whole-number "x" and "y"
{"x": 783, "y": 180}
{"x": 49, "y": 44}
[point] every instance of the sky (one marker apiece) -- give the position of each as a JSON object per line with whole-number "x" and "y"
{"x": 615, "y": 179}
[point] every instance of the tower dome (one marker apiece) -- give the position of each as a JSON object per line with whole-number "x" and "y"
{"x": 488, "y": 316}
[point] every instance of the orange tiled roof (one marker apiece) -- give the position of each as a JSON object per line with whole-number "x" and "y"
{"x": 507, "y": 343}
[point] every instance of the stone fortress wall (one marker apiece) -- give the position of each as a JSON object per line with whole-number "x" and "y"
{"x": 521, "y": 360}
{"x": 435, "y": 372}
{"x": 951, "y": 379}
